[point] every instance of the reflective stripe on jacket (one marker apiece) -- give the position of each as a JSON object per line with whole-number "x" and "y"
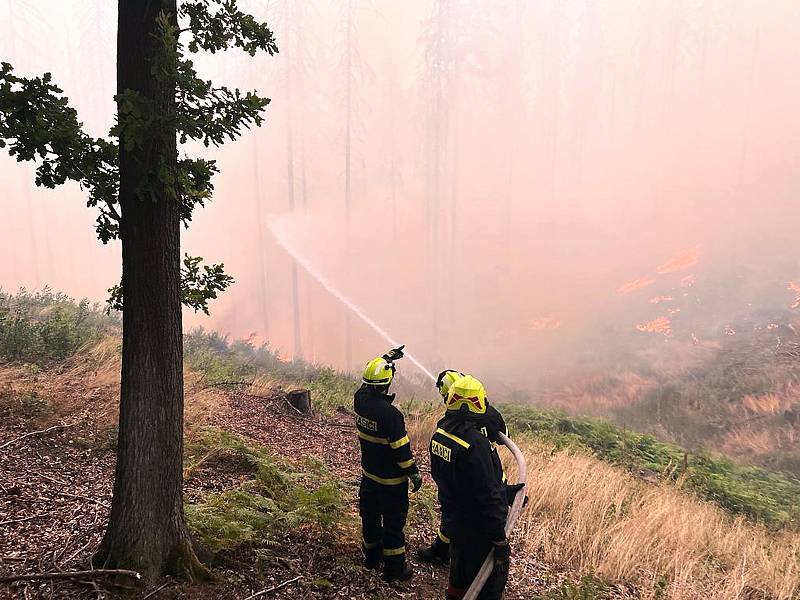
{"x": 386, "y": 456}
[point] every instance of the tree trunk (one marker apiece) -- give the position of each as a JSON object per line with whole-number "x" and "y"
{"x": 348, "y": 327}
{"x": 146, "y": 530}
{"x": 298, "y": 345}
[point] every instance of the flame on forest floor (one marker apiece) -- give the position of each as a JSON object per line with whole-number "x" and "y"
{"x": 545, "y": 323}
{"x": 679, "y": 262}
{"x": 660, "y": 325}
{"x": 636, "y": 284}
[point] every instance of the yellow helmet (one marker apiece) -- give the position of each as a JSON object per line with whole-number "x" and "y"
{"x": 378, "y": 371}
{"x": 467, "y": 391}
{"x": 445, "y": 380}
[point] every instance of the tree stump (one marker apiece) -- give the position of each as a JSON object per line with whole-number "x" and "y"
{"x": 300, "y": 400}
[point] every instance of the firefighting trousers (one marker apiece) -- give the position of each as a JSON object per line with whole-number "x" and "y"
{"x": 467, "y": 553}
{"x": 383, "y": 510}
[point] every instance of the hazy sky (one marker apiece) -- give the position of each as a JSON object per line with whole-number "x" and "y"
{"x": 513, "y": 164}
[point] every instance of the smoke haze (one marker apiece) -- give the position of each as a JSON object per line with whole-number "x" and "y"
{"x": 492, "y": 182}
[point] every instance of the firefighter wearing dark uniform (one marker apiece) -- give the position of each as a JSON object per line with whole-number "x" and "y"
{"x": 490, "y": 424}
{"x": 387, "y": 465}
{"x": 471, "y": 492}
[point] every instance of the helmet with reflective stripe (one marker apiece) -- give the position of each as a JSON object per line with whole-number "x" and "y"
{"x": 378, "y": 371}
{"x": 467, "y": 391}
{"x": 445, "y": 380}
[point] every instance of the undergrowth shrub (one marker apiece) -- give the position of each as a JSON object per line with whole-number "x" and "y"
{"x": 45, "y": 327}
{"x": 220, "y": 360}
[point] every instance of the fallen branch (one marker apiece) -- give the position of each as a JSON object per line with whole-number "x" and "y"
{"x": 31, "y": 518}
{"x": 43, "y": 476}
{"x": 294, "y": 408}
{"x": 70, "y": 575}
{"x": 22, "y": 437}
{"x": 259, "y": 397}
{"x": 79, "y": 497}
{"x": 155, "y": 591}
{"x": 274, "y": 588}
{"x": 223, "y": 383}
{"x": 79, "y": 550}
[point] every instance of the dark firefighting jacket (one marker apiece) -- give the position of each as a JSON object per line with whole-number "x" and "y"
{"x": 386, "y": 456}
{"x": 491, "y": 423}
{"x": 469, "y": 477}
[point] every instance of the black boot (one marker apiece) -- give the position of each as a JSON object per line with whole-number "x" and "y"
{"x": 397, "y": 570}
{"x": 437, "y": 553}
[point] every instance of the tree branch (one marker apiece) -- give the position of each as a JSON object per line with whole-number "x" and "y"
{"x": 274, "y": 588}
{"x": 22, "y": 437}
{"x": 113, "y": 211}
{"x": 31, "y": 518}
{"x": 70, "y": 575}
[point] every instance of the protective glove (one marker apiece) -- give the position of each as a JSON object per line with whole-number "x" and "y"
{"x": 416, "y": 481}
{"x": 511, "y": 492}
{"x": 502, "y": 554}
{"x": 395, "y": 354}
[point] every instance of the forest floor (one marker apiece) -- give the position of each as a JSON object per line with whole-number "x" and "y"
{"x": 56, "y": 472}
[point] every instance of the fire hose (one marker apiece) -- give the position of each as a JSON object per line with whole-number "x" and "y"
{"x": 513, "y": 515}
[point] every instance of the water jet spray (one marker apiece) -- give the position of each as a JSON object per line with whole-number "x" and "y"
{"x": 278, "y": 230}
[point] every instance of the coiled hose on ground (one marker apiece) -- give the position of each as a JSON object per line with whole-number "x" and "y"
{"x": 513, "y": 515}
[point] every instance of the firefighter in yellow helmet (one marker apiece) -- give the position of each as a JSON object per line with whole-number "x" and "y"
{"x": 387, "y": 465}
{"x": 491, "y": 423}
{"x": 472, "y": 493}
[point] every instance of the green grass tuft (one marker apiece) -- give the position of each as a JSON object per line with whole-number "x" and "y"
{"x": 279, "y": 497}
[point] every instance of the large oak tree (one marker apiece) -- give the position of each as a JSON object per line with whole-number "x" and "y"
{"x": 144, "y": 191}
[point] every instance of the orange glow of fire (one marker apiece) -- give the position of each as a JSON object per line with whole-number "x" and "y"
{"x": 545, "y": 323}
{"x": 679, "y": 262}
{"x": 660, "y": 325}
{"x": 636, "y": 284}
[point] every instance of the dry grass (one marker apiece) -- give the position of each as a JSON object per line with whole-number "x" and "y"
{"x": 420, "y": 427}
{"x": 88, "y": 382}
{"x": 598, "y": 392}
{"x": 586, "y": 516}
{"x": 591, "y": 517}
{"x": 765, "y": 404}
